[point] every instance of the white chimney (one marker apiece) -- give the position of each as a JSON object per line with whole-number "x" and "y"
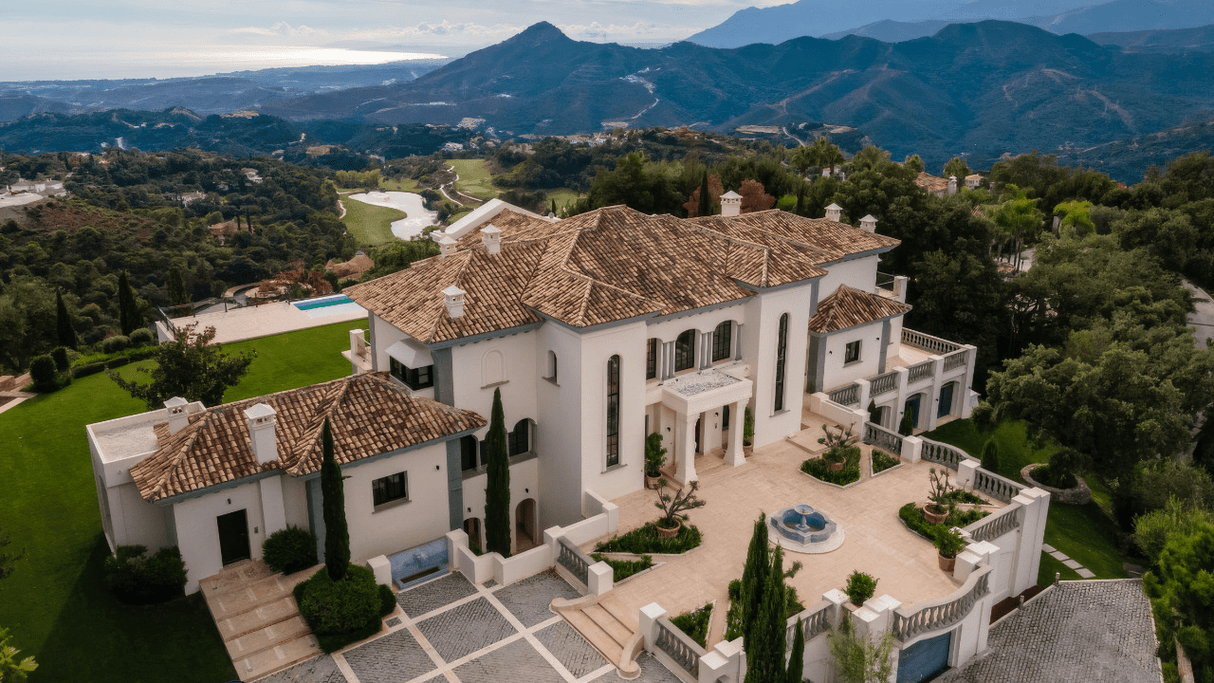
{"x": 834, "y": 212}
{"x": 261, "y": 433}
{"x": 453, "y": 297}
{"x": 869, "y": 223}
{"x": 491, "y": 236}
{"x": 178, "y": 417}
{"x": 444, "y": 246}
{"x": 952, "y": 185}
{"x": 731, "y": 204}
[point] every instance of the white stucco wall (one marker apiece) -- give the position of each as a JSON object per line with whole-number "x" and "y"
{"x": 524, "y": 484}
{"x": 396, "y": 526}
{"x": 835, "y": 372}
{"x": 559, "y": 426}
{"x": 471, "y": 363}
{"x": 759, "y": 351}
{"x": 198, "y": 532}
{"x": 860, "y": 273}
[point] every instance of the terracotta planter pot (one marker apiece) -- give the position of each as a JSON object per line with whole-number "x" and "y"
{"x": 947, "y": 563}
{"x": 747, "y": 450}
{"x": 652, "y": 482}
{"x": 934, "y": 517}
{"x": 836, "y": 466}
{"x": 663, "y": 532}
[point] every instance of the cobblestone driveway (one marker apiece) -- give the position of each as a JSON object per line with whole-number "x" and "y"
{"x": 457, "y": 632}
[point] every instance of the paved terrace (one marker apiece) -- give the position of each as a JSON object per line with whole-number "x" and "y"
{"x": 876, "y": 540}
{"x": 251, "y": 322}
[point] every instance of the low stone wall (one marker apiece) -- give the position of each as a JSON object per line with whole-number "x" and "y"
{"x": 1079, "y": 495}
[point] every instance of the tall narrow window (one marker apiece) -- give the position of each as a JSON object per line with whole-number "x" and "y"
{"x": 651, "y": 359}
{"x": 781, "y": 351}
{"x": 551, "y": 366}
{"x": 722, "y": 340}
{"x": 520, "y": 439}
{"x": 613, "y": 411}
{"x": 467, "y": 452}
{"x": 685, "y": 350}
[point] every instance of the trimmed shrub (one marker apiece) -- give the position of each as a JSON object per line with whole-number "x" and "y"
{"x": 914, "y": 520}
{"x": 695, "y": 623}
{"x": 860, "y": 587}
{"x": 137, "y": 579}
{"x": 117, "y": 362}
{"x": 42, "y": 371}
{"x": 59, "y": 355}
{"x": 289, "y": 550}
{"x": 142, "y": 337}
{"x": 883, "y": 461}
{"x": 339, "y": 607}
{"x": 622, "y": 569}
{"x": 645, "y": 540}
{"x": 115, "y": 344}
{"x": 819, "y": 468}
{"x": 1054, "y": 478}
{"x": 387, "y": 600}
{"x": 87, "y": 369}
{"x": 990, "y": 456}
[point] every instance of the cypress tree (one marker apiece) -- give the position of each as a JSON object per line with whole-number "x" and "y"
{"x": 63, "y": 323}
{"x": 796, "y": 660}
{"x": 176, "y": 284}
{"x": 705, "y": 206}
{"x": 765, "y": 644}
{"x": 497, "y": 492}
{"x": 337, "y": 533}
{"x": 754, "y": 576}
{"x": 128, "y": 310}
{"x": 907, "y": 426}
{"x": 990, "y": 456}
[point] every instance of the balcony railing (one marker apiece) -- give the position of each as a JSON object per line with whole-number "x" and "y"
{"x": 890, "y": 442}
{"x": 943, "y": 454}
{"x": 995, "y": 486}
{"x": 955, "y": 360}
{"x": 883, "y": 384}
{"x": 814, "y": 622}
{"x": 680, "y": 647}
{"x": 846, "y": 396}
{"x": 927, "y": 342}
{"x": 995, "y": 525}
{"x": 920, "y": 371}
{"x": 948, "y": 612}
{"x": 572, "y": 558}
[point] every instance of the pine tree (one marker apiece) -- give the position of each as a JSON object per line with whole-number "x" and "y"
{"x": 796, "y": 660}
{"x": 128, "y": 310}
{"x": 337, "y": 533}
{"x": 705, "y": 206}
{"x": 497, "y": 493}
{"x": 990, "y": 456}
{"x": 63, "y": 323}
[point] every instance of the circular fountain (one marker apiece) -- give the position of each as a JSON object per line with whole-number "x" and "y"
{"x": 802, "y": 529}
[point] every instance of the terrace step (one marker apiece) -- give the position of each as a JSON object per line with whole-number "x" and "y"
{"x": 277, "y": 658}
{"x": 595, "y": 634}
{"x": 609, "y": 624}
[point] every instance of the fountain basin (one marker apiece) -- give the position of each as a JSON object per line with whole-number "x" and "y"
{"x": 802, "y": 529}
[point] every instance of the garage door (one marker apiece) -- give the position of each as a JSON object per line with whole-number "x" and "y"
{"x": 924, "y": 660}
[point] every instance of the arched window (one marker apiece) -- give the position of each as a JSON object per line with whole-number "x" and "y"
{"x": 722, "y": 341}
{"x": 781, "y": 351}
{"x": 551, "y": 365}
{"x": 468, "y": 446}
{"x": 685, "y": 350}
{"x": 613, "y": 411}
{"x": 651, "y": 358}
{"x": 493, "y": 368}
{"x": 520, "y": 439}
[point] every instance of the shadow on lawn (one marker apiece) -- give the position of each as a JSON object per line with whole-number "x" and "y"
{"x": 97, "y": 638}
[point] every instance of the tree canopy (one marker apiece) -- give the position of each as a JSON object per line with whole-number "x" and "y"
{"x": 188, "y": 366}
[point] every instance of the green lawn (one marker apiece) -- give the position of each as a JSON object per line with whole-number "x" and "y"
{"x": 474, "y": 178}
{"x": 563, "y": 196}
{"x": 54, "y": 603}
{"x": 370, "y": 225}
{"x": 1084, "y": 533}
{"x": 401, "y": 184}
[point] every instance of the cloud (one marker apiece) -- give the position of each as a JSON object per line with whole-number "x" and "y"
{"x": 283, "y": 29}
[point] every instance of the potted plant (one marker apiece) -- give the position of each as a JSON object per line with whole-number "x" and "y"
{"x": 838, "y": 442}
{"x": 834, "y": 459}
{"x": 936, "y": 511}
{"x": 860, "y": 587}
{"x": 655, "y": 457}
{"x": 949, "y": 544}
{"x": 748, "y": 431}
{"x": 674, "y": 507}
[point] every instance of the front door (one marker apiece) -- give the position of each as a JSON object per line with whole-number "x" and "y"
{"x": 233, "y": 536}
{"x": 946, "y": 400}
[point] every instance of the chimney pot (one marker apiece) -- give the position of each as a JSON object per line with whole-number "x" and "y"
{"x": 731, "y": 204}
{"x": 491, "y": 236}
{"x": 453, "y": 297}
{"x": 834, "y": 212}
{"x": 261, "y": 432}
{"x": 952, "y": 185}
{"x": 178, "y": 416}
{"x": 444, "y": 247}
{"x": 869, "y": 223}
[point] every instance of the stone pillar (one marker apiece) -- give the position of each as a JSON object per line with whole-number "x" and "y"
{"x": 966, "y": 474}
{"x": 1027, "y": 558}
{"x": 971, "y": 358}
{"x": 705, "y": 349}
{"x": 667, "y": 364}
{"x": 734, "y": 452}
{"x": 865, "y": 396}
{"x": 934, "y": 404}
{"x": 600, "y": 577}
{"x": 648, "y": 629}
{"x": 737, "y": 341}
{"x": 685, "y": 444}
{"x": 883, "y": 355}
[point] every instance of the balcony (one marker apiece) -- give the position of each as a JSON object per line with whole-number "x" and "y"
{"x": 358, "y": 354}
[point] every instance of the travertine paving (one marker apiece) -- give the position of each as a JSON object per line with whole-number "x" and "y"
{"x": 1075, "y": 632}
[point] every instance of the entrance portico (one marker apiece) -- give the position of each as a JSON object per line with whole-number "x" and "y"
{"x": 704, "y": 397}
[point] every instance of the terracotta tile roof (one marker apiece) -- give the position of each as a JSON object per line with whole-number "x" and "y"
{"x": 847, "y": 307}
{"x": 931, "y": 183}
{"x": 511, "y": 223}
{"x": 369, "y": 415}
{"x": 606, "y": 265}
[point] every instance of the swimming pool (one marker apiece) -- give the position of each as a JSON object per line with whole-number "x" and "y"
{"x": 328, "y": 305}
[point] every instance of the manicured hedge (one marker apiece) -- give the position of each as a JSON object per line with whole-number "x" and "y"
{"x": 289, "y": 550}
{"x": 341, "y": 612}
{"x": 914, "y": 519}
{"x": 138, "y": 579}
{"x": 622, "y": 569}
{"x": 820, "y": 469}
{"x": 645, "y": 540}
{"x": 695, "y": 623}
{"x": 883, "y": 461}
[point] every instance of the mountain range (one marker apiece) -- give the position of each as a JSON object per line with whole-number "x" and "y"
{"x": 899, "y": 21}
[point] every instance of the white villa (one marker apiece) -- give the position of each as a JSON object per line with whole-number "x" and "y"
{"x": 598, "y": 330}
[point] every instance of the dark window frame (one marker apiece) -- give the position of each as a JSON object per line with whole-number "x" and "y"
{"x": 390, "y": 489}
{"x": 781, "y": 354}
{"x": 651, "y": 358}
{"x": 414, "y": 378}
{"x": 851, "y": 352}
{"x": 685, "y": 351}
{"x": 722, "y": 342}
{"x": 518, "y": 441}
{"x": 613, "y": 411}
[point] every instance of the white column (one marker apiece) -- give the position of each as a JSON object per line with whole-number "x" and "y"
{"x": 685, "y": 443}
{"x": 737, "y": 341}
{"x": 934, "y": 404}
{"x": 734, "y": 454}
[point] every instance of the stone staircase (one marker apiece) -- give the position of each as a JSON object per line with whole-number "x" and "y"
{"x": 258, "y": 619}
{"x": 605, "y": 631}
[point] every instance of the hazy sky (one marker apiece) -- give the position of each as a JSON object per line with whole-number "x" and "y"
{"x": 163, "y": 38}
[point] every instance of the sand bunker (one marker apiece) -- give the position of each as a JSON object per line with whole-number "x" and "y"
{"x": 411, "y": 203}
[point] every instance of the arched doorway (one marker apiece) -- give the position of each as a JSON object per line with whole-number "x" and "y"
{"x": 525, "y": 526}
{"x": 946, "y": 400}
{"x": 472, "y": 527}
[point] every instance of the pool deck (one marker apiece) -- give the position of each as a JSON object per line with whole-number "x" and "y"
{"x": 262, "y": 321}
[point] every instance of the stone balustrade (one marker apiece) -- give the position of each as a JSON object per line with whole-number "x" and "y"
{"x": 679, "y": 647}
{"x": 846, "y": 396}
{"x": 927, "y": 342}
{"x": 876, "y": 435}
{"x": 939, "y": 615}
{"x": 883, "y": 384}
{"x": 572, "y": 558}
{"x": 995, "y": 525}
